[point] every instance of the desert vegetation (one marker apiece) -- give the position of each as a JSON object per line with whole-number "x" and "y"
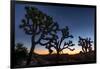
{"x": 37, "y": 23}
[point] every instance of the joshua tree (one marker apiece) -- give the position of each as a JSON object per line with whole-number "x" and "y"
{"x": 85, "y": 43}
{"x": 81, "y": 42}
{"x": 88, "y": 44}
{"x": 37, "y": 23}
{"x": 56, "y": 43}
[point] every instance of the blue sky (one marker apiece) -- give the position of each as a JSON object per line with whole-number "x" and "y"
{"x": 80, "y": 21}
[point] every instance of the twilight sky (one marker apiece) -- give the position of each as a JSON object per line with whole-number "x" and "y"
{"x": 80, "y": 21}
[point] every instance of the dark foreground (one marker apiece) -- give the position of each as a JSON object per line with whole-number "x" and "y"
{"x": 47, "y": 60}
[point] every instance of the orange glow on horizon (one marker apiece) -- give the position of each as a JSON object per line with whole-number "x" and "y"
{"x": 66, "y": 51}
{"x": 41, "y": 52}
{"x": 71, "y": 52}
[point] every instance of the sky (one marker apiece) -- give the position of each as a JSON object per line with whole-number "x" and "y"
{"x": 80, "y": 21}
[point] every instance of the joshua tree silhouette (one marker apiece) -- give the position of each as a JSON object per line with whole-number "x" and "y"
{"x": 56, "y": 43}
{"x": 38, "y": 23}
{"x": 86, "y": 44}
{"x": 89, "y": 44}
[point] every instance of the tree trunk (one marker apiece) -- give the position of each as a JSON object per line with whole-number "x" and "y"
{"x": 31, "y": 51}
{"x": 57, "y": 60}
